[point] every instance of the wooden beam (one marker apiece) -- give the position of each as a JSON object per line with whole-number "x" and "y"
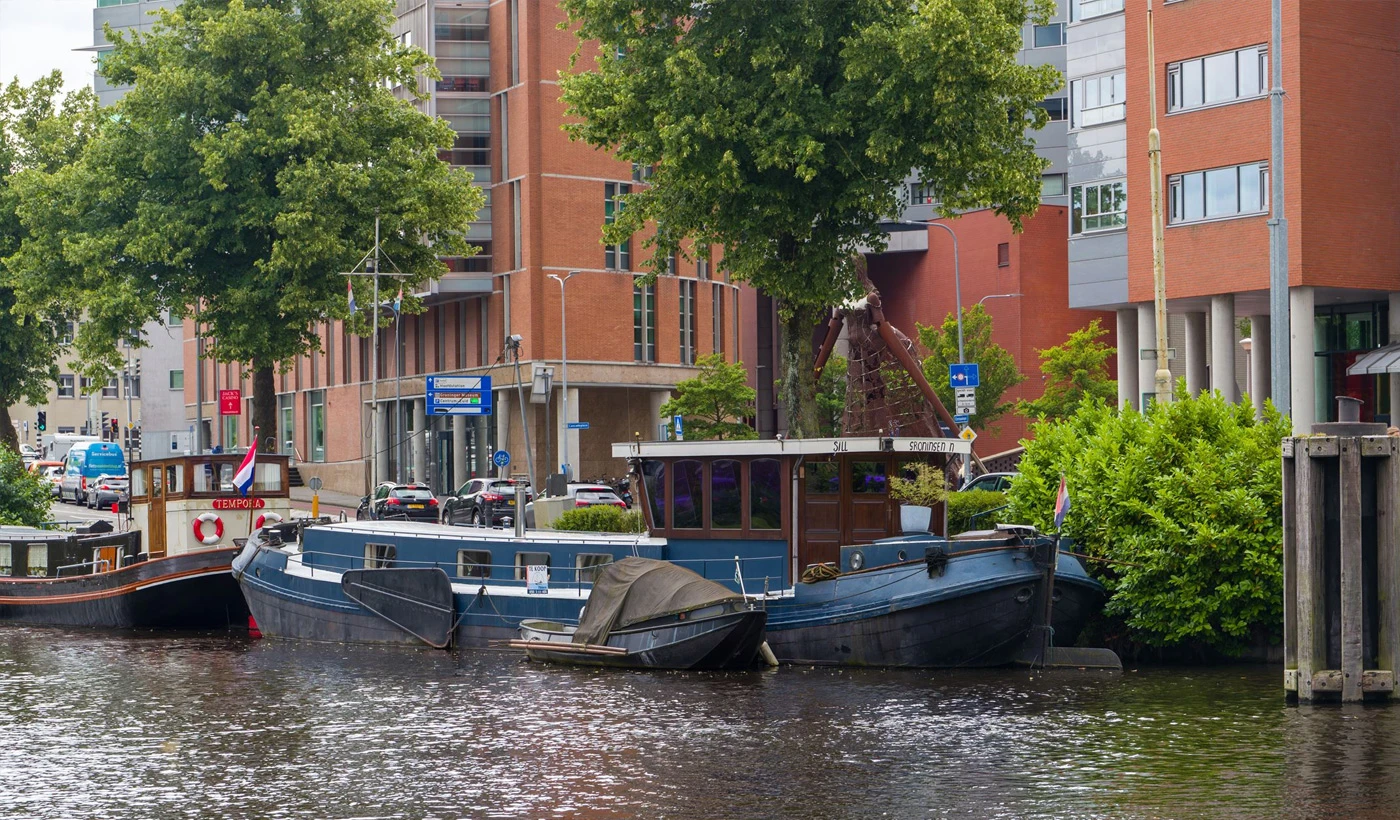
{"x": 1309, "y": 547}
{"x": 1388, "y": 557}
{"x": 1349, "y": 468}
{"x": 1290, "y": 558}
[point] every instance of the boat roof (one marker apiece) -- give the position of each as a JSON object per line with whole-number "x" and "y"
{"x": 779, "y": 446}
{"x": 423, "y": 529}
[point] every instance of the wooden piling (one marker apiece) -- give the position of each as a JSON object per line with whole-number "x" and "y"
{"x": 1349, "y": 467}
{"x": 1388, "y": 557}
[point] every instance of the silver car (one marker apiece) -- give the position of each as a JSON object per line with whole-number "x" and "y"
{"x": 107, "y": 490}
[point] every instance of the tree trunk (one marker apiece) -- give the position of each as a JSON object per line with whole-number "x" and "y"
{"x": 264, "y": 407}
{"x": 799, "y": 385}
{"x": 8, "y": 436}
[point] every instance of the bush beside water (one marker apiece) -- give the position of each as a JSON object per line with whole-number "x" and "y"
{"x": 964, "y": 505}
{"x": 601, "y": 518}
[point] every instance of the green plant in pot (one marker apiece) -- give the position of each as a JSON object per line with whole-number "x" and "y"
{"x": 919, "y": 489}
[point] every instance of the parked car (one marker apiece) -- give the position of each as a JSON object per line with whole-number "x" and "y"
{"x": 414, "y": 502}
{"x": 50, "y": 472}
{"x": 484, "y": 502}
{"x": 1000, "y": 482}
{"x": 584, "y": 495}
{"x": 85, "y": 461}
{"x": 107, "y": 490}
{"x": 28, "y": 454}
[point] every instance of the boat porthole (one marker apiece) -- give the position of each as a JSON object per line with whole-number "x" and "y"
{"x": 902, "y": 555}
{"x": 1055, "y": 596}
{"x": 857, "y": 559}
{"x": 1023, "y": 594}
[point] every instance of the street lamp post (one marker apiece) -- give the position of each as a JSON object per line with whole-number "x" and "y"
{"x": 564, "y": 362}
{"x": 999, "y": 296}
{"x": 957, "y": 279}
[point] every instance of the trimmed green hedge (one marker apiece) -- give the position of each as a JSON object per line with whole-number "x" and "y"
{"x": 601, "y": 518}
{"x": 962, "y": 506}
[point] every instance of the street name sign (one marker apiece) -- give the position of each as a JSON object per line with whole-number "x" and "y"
{"x": 459, "y": 396}
{"x": 578, "y": 425}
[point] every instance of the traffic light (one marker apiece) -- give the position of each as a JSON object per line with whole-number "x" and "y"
{"x": 116, "y": 430}
{"x": 102, "y": 428}
{"x": 43, "y": 422}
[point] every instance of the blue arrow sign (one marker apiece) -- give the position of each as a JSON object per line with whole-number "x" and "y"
{"x": 578, "y": 425}
{"x": 964, "y": 375}
{"x": 501, "y": 458}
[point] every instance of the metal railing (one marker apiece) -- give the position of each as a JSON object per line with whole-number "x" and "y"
{"x": 97, "y": 564}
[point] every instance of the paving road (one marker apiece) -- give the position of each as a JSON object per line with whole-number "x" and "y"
{"x": 79, "y": 514}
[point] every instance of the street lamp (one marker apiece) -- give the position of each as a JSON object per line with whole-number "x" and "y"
{"x": 564, "y": 357}
{"x": 957, "y": 279}
{"x": 999, "y": 296}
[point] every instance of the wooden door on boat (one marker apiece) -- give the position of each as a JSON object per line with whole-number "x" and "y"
{"x": 155, "y": 518}
{"x": 820, "y": 525}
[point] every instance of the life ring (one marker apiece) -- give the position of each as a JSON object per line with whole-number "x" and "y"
{"x": 266, "y": 519}
{"x": 214, "y": 537}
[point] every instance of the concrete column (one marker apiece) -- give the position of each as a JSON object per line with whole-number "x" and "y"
{"x": 482, "y": 448}
{"x": 1147, "y": 340}
{"x": 503, "y": 411}
{"x": 1222, "y": 346}
{"x": 420, "y": 443}
{"x": 655, "y": 399}
{"x": 1196, "y": 373}
{"x": 1127, "y": 357}
{"x": 459, "y": 451}
{"x": 381, "y": 447}
{"x": 1301, "y": 348}
{"x": 1394, "y": 377}
{"x": 1259, "y": 362}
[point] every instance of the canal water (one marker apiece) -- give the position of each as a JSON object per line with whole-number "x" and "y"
{"x": 98, "y": 725}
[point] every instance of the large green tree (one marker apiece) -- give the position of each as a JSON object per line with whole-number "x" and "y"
{"x": 24, "y": 498}
{"x": 242, "y": 174}
{"x": 1075, "y": 371}
{"x": 715, "y": 403}
{"x": 995, "y": 364}
{"x": 783, "y": 131}
{"x": 41, "y": 131}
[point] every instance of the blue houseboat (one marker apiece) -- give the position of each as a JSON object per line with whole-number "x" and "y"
{"x": 805, "y": 528}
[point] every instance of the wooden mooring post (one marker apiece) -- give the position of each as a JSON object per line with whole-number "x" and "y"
{"x": 1341, "y": 561}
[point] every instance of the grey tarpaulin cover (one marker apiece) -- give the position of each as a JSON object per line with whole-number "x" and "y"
{"x": 638, "y": 589}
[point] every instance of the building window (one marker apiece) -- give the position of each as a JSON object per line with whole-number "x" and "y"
{"x": 1219, "y": 192}
{"x": 921, "y": 194}
{"x": 1048, "y": 36}
{"x": 615, "y": 257}
{"x": 69, "y": 330}
{"x": 133, "y": 386}
{"x": 641, "y": 173}
{"x": 462, "y": 37}
{"x": 717, "y": 315}
{"x": 1086, "y": 9}
{"x": 644, "y": 323}
{"x": 1097, "y": 100}
{"x": 109, "y": 390}
{"x": 1100, "y": 206}
{"x": 1219, "y": 78}
{"x": 330, "y": 354}
{"x": 1056, "y": 107}
{"x": 316, "y": 424}
{"x": 1052, "y": 185}
{"x": 702, "y": 269}
{"x": 177, "y": 380}
{"x": 84, "y": 385}
{"x": 687, "y": 321}
{"x": 1004, "y": 255}
{"x": 65, "y": 386}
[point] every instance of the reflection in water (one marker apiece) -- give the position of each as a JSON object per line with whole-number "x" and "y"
{"x": 107, "y": 726}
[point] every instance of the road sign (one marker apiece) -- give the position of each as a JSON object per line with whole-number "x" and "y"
{"x": 961, "y": 419}
{"x": 964, "y": 375}
{"x": 459, "y": 396}
{"x": 501, "y": 458}
{"x": 314, "y": 483}
{"x": 968, "y": 434}
{"x": 578, "y": 425}
{"x": 965, "y": 400}
{"x": 679, "y": 423}
{"x": 230, "y": 402}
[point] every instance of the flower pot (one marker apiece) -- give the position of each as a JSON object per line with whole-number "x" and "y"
{"x": 914, "y": 519}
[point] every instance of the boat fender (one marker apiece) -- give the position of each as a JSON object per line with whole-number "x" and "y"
{"x": 209, "y": 539}
{"x": 267, "y": 519}
{"x": 936, "y": 559}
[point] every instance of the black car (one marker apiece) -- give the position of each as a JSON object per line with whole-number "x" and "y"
{"x": 484, "y": 502}
{"x": 414, "y": 502}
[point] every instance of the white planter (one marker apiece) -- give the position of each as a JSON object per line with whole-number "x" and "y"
{"x": 914, "y": 519}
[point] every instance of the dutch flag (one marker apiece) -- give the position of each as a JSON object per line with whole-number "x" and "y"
{"x": 1061, "y": 503}
{"x": 350, "y": 293}
{"x": 243, "y": 479}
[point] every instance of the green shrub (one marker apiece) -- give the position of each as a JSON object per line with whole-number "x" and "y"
{"x": 24, "y": 499}
{"x": 962, "y": 506}
{"x": 925, "y": 487}
{"x": 1186, "y": 498}
{"x": 600, "y": 518}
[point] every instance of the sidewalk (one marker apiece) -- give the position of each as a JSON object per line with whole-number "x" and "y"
{"x": 331, "y": 503}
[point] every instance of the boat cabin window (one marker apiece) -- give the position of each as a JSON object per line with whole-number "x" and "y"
{"x": 589, "y": 564}
{"x": 212, "y": 477}
{"x": 726, "y": 495}
{"x": 6, "y": 561}
{"x": 689, "y": 491}
{"x": 473, "y": 564}
{"x": 654, "y": 477}
{"x": 529, "y": 559}
{"x": 868, "y": 477}
{"x": 38, "y": 560}
{"x": 138, "y": 482}
{"x": 380, "y": 556}
{"x": 267, "y": 477}
{"x": 174, "y": 479}
{"x": 823, "y": 477}
{"x": 765, "y": 494}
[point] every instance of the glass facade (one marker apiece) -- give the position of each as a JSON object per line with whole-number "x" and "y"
{"x": 1341, "y": 334}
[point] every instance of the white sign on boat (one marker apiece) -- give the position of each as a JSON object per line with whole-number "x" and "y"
{"x": 771, "y": 447}
{"x": 537, "y": 579}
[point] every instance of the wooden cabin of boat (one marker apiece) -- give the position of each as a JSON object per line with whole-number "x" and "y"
{"x": 811, "y": 495}
{"x": 188, "y": 503}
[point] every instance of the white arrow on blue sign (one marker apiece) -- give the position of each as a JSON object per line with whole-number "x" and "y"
{"x": 964, "y": 375}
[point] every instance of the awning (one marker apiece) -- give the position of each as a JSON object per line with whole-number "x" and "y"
{"x": 1382, "y": 360}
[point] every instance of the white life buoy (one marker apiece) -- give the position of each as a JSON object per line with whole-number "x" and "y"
{"x": 212, "y": 538}
{"x": 267, "y": 519}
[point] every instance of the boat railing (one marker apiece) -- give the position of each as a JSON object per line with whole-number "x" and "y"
{"x": 98, "y": 565}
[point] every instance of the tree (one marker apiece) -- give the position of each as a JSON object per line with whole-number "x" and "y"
{"x": 1075, "y": 371}
{"x": 41, "y": 131}
{"x": 24, "y": 498}
{"x": 242, "y": 175}
{"x": 713, "y": 402}
{"x": 784, "y": 132}
{"x": 831, "y": 397}
{"x": 995, "y": 365}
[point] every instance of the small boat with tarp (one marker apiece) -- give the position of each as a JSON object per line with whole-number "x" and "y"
{"x": 649, "y": 614}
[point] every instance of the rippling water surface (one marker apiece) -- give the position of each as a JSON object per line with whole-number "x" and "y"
{"x": 114, "y": 726}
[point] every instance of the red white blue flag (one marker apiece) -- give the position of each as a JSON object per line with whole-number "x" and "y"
{"x": 1061, "y": 503}
{"x": 350, "y": 293}
{"x": 243, "y": 479}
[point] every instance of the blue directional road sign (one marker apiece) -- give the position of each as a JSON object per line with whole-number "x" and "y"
{"x": 578, "y": 425}
{"x": 459, "y": 396}
{"x": 964, "y": 375}
{"x": 501, "y": 458}
{"x": 961, "y": 419}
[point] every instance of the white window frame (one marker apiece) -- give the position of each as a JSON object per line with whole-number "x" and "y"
{"x": 1098, "y": 8}
{"x": 1176, "y": 91}
{"x": 1176, "y": 185}
{"x": 1035, "y": 28}
{"x": 67, "y": 386}
{"x": 1105, "y": 113}
{"x": 1099, "y": 183}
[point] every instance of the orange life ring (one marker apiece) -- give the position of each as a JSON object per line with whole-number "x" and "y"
{"x": 212, "y": 538}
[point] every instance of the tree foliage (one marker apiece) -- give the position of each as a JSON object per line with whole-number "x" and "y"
{"x": 996, "y": 366}
{"x": 715, "y": 402}
{"x": 41, "y": 131}
{"x": 1075, "y": 371}
{"x": 831, "y": 397}
{"x": 1185, "y": 499}
{"x": 242, "y": 173}
{"x": 784, "y": 131}
{"x": 24, "y": 498}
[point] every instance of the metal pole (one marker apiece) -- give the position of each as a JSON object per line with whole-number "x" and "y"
{"x": 399, "y": 427}
{"x": 374, "y": 369}
{"x": 1159, "y": 272}
{"x": 198, "y": 384}
{"x": 130, "y": 380}
{"x": 564, "y": 467}
{"x": 218, "y": 420}
{"x": 1280, "y": 353}
{"x": 957, "y": 288}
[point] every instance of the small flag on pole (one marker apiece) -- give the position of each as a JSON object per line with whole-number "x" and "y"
{"x": 1061, "y": 503}
{"x": 398, "y": 300}
{"x": 350, "y": 293}
{"x": 243, "y": 479}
